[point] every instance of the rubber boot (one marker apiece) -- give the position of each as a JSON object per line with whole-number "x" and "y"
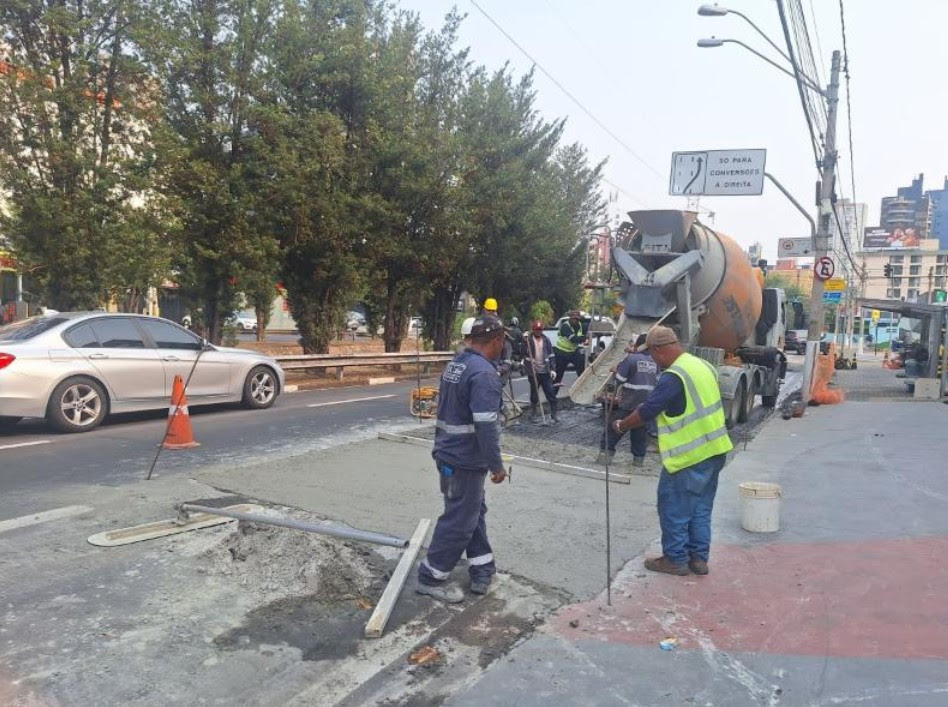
{"x": 553, "y": 412}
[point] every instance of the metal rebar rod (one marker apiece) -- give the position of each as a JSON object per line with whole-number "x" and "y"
{"x": 334, "y": 531}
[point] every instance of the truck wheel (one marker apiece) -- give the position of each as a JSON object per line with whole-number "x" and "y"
{"x": 768, "y": 401}
{"x": 733, "y": 407}
{"x": 747, "y": 401}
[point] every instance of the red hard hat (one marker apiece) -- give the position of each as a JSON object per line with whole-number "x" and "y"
{"x": 537, "y": 325}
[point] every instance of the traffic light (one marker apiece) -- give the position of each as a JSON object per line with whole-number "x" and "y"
{"x": 887, "y": 270}
{"x": 940, "y": 296}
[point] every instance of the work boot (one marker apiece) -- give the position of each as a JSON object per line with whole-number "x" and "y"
{"x": 638, "y": 461}
{"x": 697, "y": 565}
{"x": 533, "y": 413}
{"x": 663, "y": 564}
{"x": 480, "y": 586}
{"x": 448, "y": 593}
{"x": 605, "y": 457}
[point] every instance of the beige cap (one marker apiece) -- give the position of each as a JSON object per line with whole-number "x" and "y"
{"x": 659, "y": 336}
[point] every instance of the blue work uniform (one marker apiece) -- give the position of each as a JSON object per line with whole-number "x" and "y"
{"x": 636, "y": 376}
{"x": 467, "y": 447}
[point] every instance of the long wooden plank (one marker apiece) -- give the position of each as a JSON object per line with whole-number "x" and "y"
{"x": 541, "y": 464}
{"x": 383, "y": 610}
{"x": 162, "y": 528}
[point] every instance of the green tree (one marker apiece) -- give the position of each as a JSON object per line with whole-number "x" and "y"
{"x": 207, "y": 56}
{"x": 77, "y": 117}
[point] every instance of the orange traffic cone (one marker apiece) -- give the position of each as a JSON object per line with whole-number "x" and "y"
{"x": 179, "y": 435}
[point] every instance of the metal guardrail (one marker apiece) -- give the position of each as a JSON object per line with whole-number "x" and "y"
{"x": 340, "y": 363}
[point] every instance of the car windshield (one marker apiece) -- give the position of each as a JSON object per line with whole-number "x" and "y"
{"x": 29, "y": 328}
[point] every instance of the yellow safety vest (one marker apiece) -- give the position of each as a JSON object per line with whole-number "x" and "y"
{"x": 699, "y": 432}
{"x": 563, "y": 343}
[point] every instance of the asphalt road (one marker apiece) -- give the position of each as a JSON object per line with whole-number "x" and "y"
{"x": 33, "y": 459}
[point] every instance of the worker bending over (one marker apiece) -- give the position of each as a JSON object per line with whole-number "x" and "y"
{"x": 693, "y": 442}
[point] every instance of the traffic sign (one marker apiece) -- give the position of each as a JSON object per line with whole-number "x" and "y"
{"x": 876, "y": 314}
{"x": 718, "y": 173}
{"x": 835, "y": 284}
{"x": 794, "y": 247}
{"x": 824, "y": 268}
{"x": 832, "y": 297}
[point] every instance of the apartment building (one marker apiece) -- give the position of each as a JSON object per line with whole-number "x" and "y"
{"x": 912, "y": 272}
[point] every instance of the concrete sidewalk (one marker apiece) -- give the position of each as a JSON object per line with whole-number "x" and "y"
{"x": 846, "y": 604}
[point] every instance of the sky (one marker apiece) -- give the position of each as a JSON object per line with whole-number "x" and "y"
{"x": 634, "y": 64}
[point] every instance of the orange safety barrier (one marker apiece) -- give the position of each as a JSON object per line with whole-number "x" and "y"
{"x": 824, "y": 371}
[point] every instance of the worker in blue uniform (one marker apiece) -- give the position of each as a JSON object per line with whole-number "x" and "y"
{"x": 466, "y": 450}
{"x": 636, "y": 376}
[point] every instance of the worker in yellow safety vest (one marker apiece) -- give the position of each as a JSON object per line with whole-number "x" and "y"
{"x": 568, "y": 347}
{"x": 693, "y": 441}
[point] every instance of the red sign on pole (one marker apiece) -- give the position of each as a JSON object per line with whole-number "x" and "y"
{"x": 824, "y": 268}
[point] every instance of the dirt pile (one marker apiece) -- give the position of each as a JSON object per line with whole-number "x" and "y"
{"x": 271, "y": 563}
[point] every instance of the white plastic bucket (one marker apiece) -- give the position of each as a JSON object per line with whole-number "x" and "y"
{"x": 760, "y": 506}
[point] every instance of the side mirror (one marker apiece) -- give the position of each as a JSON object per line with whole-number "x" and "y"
{"x": 206, "y": 345}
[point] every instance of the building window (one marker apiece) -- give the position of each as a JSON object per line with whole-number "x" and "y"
{"x": 942, "y": 258}
{"x": 915, "y": 281}
{"x": 897, "y": 270}
{"x": 916, "y": 258}
{"x": 939, "y": 282}
{"x": 912, "y": 294}
{"x": 893, "y": 293}
{"x": 914, "y": 269}
{"x": 896, "y": 258}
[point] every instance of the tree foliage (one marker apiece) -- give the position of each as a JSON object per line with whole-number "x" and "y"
{"x": 78, "y": 115}
{"x": 336, "y": 146}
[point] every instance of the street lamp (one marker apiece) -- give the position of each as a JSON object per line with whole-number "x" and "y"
{"x": 718, "y": 11}
{"x": 713, "y": 42}
{"x": 827, "y": 162}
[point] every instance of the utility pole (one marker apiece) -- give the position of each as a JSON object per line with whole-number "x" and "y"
{"x": 828, "y": 172}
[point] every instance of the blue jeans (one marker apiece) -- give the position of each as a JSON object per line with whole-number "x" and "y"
{"x": 685, "y": 500}
{"x": 461, "y": 529}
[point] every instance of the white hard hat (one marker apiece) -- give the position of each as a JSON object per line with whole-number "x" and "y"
{"x": 466, "y": 326}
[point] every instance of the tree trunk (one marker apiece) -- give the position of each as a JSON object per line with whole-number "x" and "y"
{"x": 395, "y": 319}
{"x": 440, "y": 312}
{"x": 263, "y": 320}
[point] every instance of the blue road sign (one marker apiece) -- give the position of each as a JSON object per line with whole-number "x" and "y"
{"x": 834, "y": 297}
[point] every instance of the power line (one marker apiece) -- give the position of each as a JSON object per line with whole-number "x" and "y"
{"x": 849, "y": 105}
{"x": 579, "y": 104}
{"x": 801, "y": 89}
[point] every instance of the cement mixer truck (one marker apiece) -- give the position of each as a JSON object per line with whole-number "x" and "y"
{"x": 678, "y": 272}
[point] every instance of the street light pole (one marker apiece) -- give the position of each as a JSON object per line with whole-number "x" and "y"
{"x": 828, "y": 170}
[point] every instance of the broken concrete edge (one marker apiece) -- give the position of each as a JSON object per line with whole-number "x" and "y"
{"x": 540, "y": 464}
{"x": 385, "y": 605}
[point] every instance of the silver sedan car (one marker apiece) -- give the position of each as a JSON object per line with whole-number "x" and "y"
{"x": 76, "y": 368}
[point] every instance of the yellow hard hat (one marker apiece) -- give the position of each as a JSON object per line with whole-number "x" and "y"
{"x": 490, "y": 304}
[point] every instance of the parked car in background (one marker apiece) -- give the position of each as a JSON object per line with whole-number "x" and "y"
{"x": 76, "y": 368}
{"x": 243, "y": 321}
{"x": 795, "y": 340}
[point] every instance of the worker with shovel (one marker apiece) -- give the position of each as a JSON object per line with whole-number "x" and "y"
{"x": 538, "y": 364}
{"x": 466, "y": 449}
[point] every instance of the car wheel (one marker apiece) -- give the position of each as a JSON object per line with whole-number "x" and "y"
{"x": 260, "y": 388}
{"x": 77, "y": 405}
